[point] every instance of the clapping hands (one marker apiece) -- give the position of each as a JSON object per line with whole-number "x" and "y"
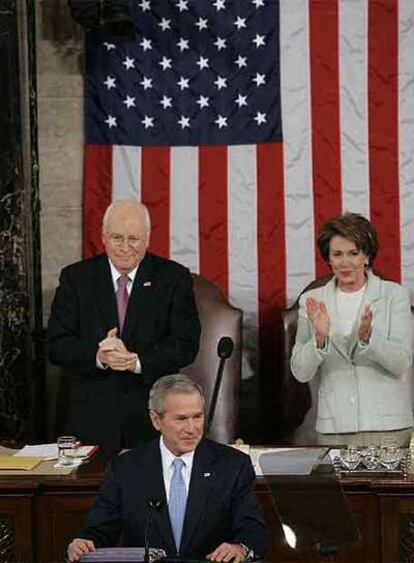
{"x": 113, "y": 353}
{"x": 319, "y": 318}
{"x": 365, "y": 325}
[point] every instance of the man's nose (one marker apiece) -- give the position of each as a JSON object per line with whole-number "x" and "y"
{"x": 190, "y": 425}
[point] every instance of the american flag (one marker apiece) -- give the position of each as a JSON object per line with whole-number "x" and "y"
{"x": 244, "y": 125}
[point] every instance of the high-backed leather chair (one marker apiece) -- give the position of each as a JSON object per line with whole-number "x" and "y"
{"x": 218, "y": 318}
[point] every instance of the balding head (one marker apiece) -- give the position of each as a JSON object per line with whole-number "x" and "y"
{"x": 125, "y": 233}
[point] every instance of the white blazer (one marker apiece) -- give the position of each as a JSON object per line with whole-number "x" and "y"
{"x": 362, "y": 387}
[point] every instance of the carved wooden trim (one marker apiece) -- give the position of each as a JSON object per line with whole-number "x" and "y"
{"x": 19, "y": 236}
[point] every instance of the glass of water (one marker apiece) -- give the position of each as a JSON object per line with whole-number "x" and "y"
{"x": 350, "y": 457}
{"x": 67, "y": 451}
{"x": 390, "y": 453}
{"x": 371, "y": 458}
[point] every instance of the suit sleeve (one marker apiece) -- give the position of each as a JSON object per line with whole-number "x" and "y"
{"x": 104, "y": 521}
{"x": 390, "y": 344}
{"x": 179, "y": 347}
{"x": 66, "y": 347}
{"x": 248, "y": 524}
{"x": 306, "y": 356}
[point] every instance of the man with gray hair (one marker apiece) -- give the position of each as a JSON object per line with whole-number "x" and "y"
{"x": 119, "y": 321}
{"x": 202, "y": 491}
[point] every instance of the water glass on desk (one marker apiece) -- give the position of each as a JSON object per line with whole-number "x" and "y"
{"x": 67, "y": 451}
{"x": 390, "y": 453}
{"x": 371, "y": 458}
{"x": 350, "y": 457}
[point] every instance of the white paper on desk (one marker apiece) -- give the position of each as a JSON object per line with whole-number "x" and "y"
{"x": 290, "y": 462}
{"x": 257, "y": 451}
{"x": 48, "y": 451}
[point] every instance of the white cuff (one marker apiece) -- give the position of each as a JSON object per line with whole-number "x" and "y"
{"x": 99, "y": 364}
{"x": 138, "y": 367}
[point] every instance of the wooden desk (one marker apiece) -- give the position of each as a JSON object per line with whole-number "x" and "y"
{"x": 39, "y": 516}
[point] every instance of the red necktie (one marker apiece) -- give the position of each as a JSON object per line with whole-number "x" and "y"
{"x": 122, "y": 299}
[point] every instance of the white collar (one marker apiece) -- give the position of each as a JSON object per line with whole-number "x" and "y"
{"x": 168, "y": 457}
{"x": 116, "y": 274}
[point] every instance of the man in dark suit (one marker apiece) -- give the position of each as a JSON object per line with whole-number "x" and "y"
{"x": 217, "y": 516}
{"x": 118, "y": 322}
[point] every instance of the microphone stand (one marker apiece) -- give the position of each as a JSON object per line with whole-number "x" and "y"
{"x": 154, "y": 506}
{"x": 224, "y": 351}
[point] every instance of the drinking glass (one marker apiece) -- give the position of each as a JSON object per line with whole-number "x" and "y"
{"x": 390, "y": 453}
{"x": 371, "y": 458}
{"x": 351, "y": 457}
{"x": 67, "y": 451}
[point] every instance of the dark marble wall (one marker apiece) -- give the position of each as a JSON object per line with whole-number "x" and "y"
{"x": 20, "y": 352}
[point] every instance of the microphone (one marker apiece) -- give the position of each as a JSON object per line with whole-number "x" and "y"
{"x": 224, "y": 351}
{"x": 155, "y": 505}
{"x": 225, "y": 347}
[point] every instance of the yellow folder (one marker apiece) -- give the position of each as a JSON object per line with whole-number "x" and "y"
{"x": 18, "y": 462}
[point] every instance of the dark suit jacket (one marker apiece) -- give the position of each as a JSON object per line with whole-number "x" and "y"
{"x": 161, "y": 325}
{"x": 221, "y": 505}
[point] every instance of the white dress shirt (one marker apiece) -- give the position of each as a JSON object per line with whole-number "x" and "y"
{"x": 167, "y": 458}
{"x": 115, "y": 277}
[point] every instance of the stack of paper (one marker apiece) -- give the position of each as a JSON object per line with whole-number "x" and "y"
{"x": 50, "y": 451}
{"x": 291, "y": 461}
{"x": 13, "y": 462}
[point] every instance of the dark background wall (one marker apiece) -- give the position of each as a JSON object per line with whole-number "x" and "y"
{"x": 21, "y": 358}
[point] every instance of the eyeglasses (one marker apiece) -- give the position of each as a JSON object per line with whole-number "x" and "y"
{"x": 119, "y": 240}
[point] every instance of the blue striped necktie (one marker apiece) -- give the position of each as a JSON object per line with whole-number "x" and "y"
{"x": 177, "y": 501}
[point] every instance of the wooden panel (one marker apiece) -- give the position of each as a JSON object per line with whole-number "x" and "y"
{"x": 17, "y": 510}
{"x": 396, "y": 514}
{"x": 365, "y": 511}
{"x": 58, "y": 519}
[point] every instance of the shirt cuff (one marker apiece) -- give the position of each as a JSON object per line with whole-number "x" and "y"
{"x": 138, "y": 367}
{"x": 325, "y": 348}
{"x": 99, "y": 364}
{"x": 248, "y": 553}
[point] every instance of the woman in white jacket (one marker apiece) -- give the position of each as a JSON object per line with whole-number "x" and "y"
{"x": 354, "y": 333}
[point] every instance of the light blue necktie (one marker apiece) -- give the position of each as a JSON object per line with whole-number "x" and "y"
{"x": 177, "y": 501}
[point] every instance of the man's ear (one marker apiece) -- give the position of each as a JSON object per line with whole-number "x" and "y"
{"x": 103, "y": 237}
{"x": 147, "y": 240}
{"x": 155, "y": 419}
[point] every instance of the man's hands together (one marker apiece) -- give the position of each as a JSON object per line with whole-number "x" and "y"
{"x": 113, "y": 353}
{"x": 228, "y": 552}
{"x": 79, "y": 547}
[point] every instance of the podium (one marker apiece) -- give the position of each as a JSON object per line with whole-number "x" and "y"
{"x": 312, "y": 510}
{"x": 119, "y": 554}
{"x": 125, "y": 554}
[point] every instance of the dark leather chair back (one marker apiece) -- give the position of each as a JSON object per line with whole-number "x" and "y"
{"x": 218, "y": 318}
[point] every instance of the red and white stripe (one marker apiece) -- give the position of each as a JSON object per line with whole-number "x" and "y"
{"x": 246, "y": 217}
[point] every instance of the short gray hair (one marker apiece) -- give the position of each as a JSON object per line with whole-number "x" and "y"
{"x": 119, "y": 202}
{"x": 177, "y": 383}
